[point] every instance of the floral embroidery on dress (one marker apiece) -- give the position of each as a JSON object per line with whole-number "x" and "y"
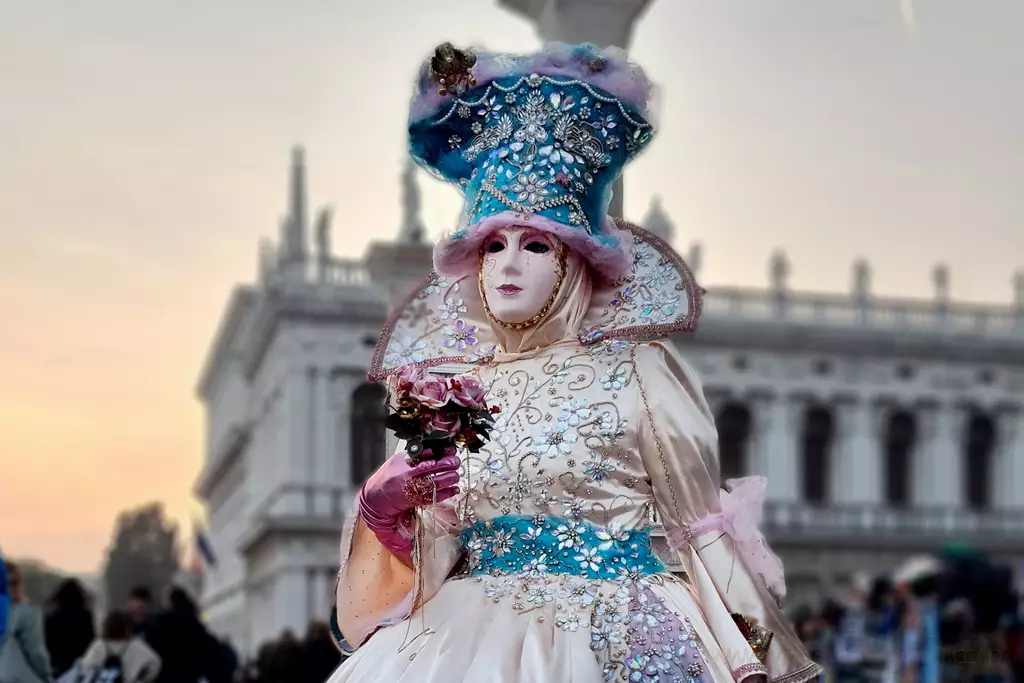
{"x": 548, "y": 444}
{"x": 596, "y": 578}
{"x": 566, "y": 546}
{"x": 534, "y": 533}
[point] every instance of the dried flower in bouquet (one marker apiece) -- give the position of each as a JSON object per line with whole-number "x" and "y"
{"x": 437, "y": 415}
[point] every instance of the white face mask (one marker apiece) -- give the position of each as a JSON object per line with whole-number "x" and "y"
{"x": 520, "y": 270}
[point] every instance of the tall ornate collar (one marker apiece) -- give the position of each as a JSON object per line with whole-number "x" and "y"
{"x": 443, "y": 320}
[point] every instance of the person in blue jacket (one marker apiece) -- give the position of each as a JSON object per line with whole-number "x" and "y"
{"x": 5, "y": 599}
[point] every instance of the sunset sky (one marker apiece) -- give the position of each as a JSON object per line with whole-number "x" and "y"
{"x": 144, "y": 148}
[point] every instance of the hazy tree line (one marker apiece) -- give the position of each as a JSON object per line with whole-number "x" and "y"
{"x": 144, "y": 551}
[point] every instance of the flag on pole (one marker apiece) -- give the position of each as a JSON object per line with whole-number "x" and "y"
{"x": 204, "y": 548}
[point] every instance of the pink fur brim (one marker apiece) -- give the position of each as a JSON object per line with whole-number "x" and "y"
{"x": 460, "y": 256}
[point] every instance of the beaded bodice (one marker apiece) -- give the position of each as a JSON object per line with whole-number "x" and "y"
{"x": 565, "y": 443}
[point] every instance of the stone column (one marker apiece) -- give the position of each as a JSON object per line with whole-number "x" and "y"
{"x": 319, "y": 593}
{"x": 323, "y": 458}
{"x": 289, "y": 601}
{"x": 330, "y": 449}
{"x": 857, "y": 476}
{"x": 342, "y": 387}
{"x": 294, "y": 456}
{"x": 313, "y": 380}
{"x": 1009, "y": 461}
{"x": 775, "y": 446}
{"x": 298, "y": 421}
{"x": 938, "y": 464}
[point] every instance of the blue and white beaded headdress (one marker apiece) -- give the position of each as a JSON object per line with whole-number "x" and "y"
{"x": 533, "y": 140}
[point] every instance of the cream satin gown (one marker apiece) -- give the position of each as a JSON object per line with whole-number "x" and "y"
{"x": 561, "y": 584}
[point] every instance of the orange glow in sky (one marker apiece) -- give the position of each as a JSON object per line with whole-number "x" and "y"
{"x": 145, "y": 154}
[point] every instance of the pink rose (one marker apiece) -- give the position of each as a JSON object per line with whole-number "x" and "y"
{"x": 431, "y": 391}
{"x": 408, "y": 375}
{"x": 469, "y": 392}
{"x": 443, "y": 422}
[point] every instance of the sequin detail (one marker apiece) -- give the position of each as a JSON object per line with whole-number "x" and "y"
{"x": 530, "y": 143}
{"x": 663, "y": 647}
{"x": 516, "y": 544}
{"x": 593, "y": 577}
{"x": 551, "y": 150}
{"x": 658, "y": 296}
{"x": 758, "y": 637}
{"x": 748, "y": 670}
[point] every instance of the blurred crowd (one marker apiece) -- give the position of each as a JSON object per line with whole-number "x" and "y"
{"x": 143, "y": 642}
{"x": 290, "y": 660}
{"x": 138, "y": 642}
{"x": 948, "y": 619}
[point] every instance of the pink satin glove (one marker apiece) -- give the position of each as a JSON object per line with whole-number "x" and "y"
{"x": 389, "y": 496}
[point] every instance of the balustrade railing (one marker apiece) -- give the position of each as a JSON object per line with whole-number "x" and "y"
{"x": 845, "y": 311}
{"x": 343, "y": 272}
{"x": 307, "y": 501}
{"x": 875, "y": 521}
{"x": 313, "y": 271}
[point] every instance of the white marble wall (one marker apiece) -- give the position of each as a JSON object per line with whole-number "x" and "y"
{"x": 857, "y": 454}
{"x": 1009, "y": 467}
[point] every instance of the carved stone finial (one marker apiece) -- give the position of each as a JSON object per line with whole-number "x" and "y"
{"x": 323, "y": 232}
{"x": 412, "y": 231}
{"x": 285, "y": 231}
{"x": 695, "y": 258}
{"x": 657, "y": 222}
{"x": 295, "y": 239}
{"x": 861, "y": 279}
{"x": 779, "y": 271}
{"x": 940, "y": 279}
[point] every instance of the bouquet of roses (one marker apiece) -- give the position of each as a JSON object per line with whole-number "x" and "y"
{"x": 435, "y": 415}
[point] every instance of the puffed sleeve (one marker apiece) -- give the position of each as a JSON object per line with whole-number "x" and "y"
{"x": 376, "y": 589}
{"x": 714, "y": 531}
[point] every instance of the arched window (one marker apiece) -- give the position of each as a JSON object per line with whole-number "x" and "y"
{"x": 979, "y": 450}
{"x": 900, "y": 437}
{"x": 368, "y": 436}
{"x": 819, "y": 428}
{"x": 733, "y": 424}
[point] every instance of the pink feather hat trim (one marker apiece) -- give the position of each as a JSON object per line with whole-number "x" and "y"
{"x": 616, "y": 75}
{"x": 462, "y": 256}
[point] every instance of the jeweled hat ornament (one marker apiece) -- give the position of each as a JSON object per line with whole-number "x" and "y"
{"x": 533, "y": 140}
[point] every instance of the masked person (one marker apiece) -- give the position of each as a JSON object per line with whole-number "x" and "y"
{"x": 533, "y": 561}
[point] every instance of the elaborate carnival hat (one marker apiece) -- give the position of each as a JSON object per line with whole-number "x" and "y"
{"x": 532, "y": 140}
{"x": 535, "y": 140}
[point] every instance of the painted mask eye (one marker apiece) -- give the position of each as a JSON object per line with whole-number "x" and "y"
{"x": 495, "y": 246}
{"x": 537, "y": 247}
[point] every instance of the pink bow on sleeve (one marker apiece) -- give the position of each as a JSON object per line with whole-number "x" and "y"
{"x": 742, "y": 510}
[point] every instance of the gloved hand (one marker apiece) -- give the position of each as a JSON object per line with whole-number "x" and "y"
{"x": 396, "y": 489}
